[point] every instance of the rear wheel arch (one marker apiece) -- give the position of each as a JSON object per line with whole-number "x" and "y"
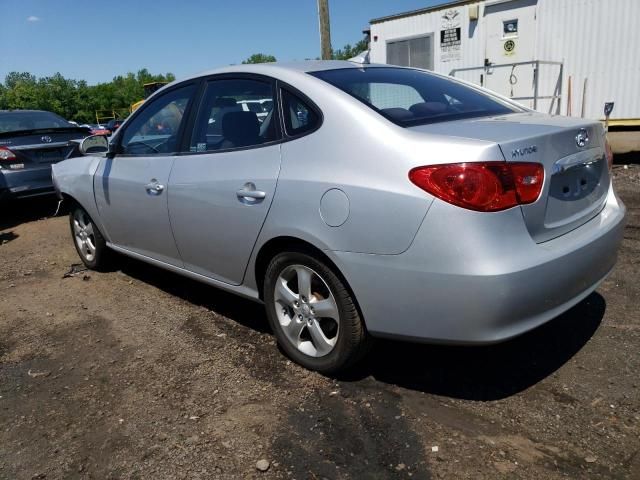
{"x": 278, "y": 245}
{"x": 349, "y": 343}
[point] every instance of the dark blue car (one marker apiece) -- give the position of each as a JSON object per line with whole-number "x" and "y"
{"x": 30, "y": 142}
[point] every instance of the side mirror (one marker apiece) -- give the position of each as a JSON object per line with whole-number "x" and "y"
{"x": 94, "y": 144}
{"x": 608, "y": 108}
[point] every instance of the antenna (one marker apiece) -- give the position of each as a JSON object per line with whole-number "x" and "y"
{"x": 361, "y": 58}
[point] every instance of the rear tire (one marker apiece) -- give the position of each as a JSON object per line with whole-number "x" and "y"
{"x": 88, "y": 240}
{"x": 313, "y": 314}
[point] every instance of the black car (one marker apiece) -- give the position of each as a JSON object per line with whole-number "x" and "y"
{"x": 113, "y": 125}
{"x": 30, "y": 142}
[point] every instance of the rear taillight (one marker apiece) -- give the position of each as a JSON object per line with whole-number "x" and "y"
{"x": 482, "y": 186}
{"x": 609, "y": 153}
{"x": 6, "y": 155}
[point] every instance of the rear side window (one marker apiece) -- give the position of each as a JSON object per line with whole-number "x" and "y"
{"x": 299, "y": 117}
{"x": 231, "y": 116}
{"x": 414, "y": 97}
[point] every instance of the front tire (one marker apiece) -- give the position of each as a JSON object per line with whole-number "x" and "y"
{"x": 313, "y": 314}
{"x": 89, "y": 242}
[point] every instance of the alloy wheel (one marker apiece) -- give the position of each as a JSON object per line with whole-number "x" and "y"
{"x": 84, "y": 235}
{"x": 307, "y": 310}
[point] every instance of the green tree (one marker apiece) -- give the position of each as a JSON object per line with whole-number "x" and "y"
{"x": 260, "y": 58}
{"x": 3, "y": 97}
{"x": 74, "y": 99}
{"x": 13, "y": 79}
{"x": 57, "y": 94}
{"x": 347, "y": 52}
{"x": 21, "y": 90}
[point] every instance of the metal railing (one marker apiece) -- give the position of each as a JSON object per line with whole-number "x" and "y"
{"x": 557, "y": 94}
{"x": 103, "y": 116}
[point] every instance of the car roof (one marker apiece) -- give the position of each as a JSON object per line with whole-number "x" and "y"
{"x": 272, "y": 68}
{"x": 290, "y": 72}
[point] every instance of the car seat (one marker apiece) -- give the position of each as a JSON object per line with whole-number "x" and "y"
{"x": 240, "y": 129}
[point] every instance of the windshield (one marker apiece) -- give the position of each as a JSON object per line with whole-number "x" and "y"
{"x": 411, "y": 97}
{"x": 21, "y": 120}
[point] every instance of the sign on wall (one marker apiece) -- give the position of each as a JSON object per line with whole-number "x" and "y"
{"x": 451, "y": 36}
{"x": 509, "y": 47}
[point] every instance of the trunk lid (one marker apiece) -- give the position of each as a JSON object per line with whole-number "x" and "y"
{"x": 572, "y": 152}
{"x": 45, "y": 146}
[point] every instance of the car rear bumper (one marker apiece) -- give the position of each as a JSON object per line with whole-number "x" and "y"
{"x": 477, "y": 278}
{"x": 26, "y": 183}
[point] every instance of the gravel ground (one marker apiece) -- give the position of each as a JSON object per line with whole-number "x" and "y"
{"x": 139, "y": 373}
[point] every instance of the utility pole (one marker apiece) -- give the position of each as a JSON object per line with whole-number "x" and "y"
{"x": 325, "y": 29}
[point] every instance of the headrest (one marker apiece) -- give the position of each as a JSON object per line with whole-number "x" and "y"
{"x": 398, "y": 113}
{"x": 428, "y": 108}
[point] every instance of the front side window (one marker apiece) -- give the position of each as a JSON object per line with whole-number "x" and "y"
{"x": 413, "y": 97}
{"x": 155, "y": 130}
{"x": 299, "y": 117}
{"x": 231, "y": 115}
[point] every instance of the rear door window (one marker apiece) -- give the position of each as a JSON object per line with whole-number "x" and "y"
{"x": 254, "y": 107}
{"x": 231, "y": 115}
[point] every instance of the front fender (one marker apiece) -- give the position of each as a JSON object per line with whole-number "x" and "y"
{"x": 74, "y": 178}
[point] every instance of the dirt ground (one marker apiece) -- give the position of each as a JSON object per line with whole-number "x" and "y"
{"x": 138, "y": 373}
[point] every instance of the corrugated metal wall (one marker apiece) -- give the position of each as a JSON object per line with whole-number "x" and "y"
{"x": 597, "y": 40}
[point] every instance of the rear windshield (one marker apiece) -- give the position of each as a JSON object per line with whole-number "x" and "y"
{"x": 413, "y": 97}
{"x": 17, "y": 121}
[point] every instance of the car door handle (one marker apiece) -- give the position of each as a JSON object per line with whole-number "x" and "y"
{"x": 249, "y": 192}
{"x": 154, "y": 188}
{"x": 256, "y": 194}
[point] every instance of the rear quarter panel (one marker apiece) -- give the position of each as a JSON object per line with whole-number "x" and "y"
{"x": 367, "y": 157}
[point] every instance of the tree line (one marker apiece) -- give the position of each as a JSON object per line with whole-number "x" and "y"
{"x": 78, "y": 101}
{"x": 344, "y": 53}
{"x": 74, "y": 99}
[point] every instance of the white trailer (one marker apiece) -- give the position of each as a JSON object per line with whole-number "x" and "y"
{"x": 565, "y": 57}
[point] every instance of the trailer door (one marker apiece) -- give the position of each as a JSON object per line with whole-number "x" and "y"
{"x": 510, "y": 38}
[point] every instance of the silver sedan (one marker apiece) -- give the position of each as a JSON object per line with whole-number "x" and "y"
{"x": 370, "y": 201}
